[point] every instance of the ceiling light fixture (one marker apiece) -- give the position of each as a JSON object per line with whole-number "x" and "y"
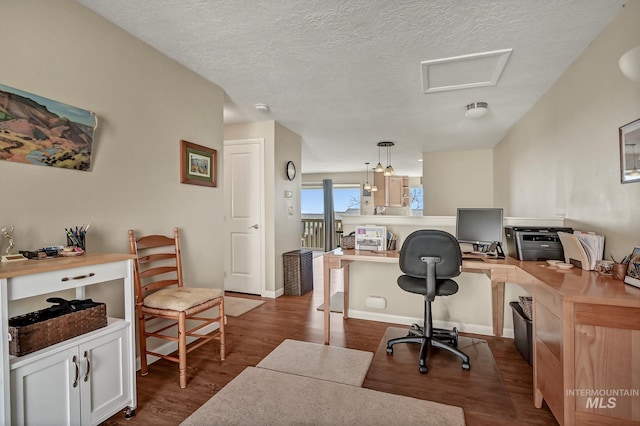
{"x": 629, "y": 64}
{"x": 476, "y": 110}
{"x": 262, "y": 107}
{"x": 379, "y": 167}
{"x": 367, "y": 185}
{"x": 388, "y": 171}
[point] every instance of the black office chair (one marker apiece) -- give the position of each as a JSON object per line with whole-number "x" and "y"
{"x": 429, "y": 258}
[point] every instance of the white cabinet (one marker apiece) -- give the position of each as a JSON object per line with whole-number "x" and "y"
{"x": 83, "y": 380}
{"x": 73, "y": 385}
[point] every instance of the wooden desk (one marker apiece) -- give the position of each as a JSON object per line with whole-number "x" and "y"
{"x": 586, "y": 341}
{"x": 499, "y": 271}
{"x": 586, "y": 334}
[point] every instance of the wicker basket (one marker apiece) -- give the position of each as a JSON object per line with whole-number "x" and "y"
{"x": 298, "y": 272}
{"x": 348, "y": 241}
{"x": 37, "y": 330}
{"x": 526, "y": 303}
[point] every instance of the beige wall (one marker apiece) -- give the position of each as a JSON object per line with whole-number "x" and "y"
{"x": 146, "y": 103}
{"x": 288, "y": 223}
{"x": 453, "y": 179}
{"x": 282, "y": 231}
{"x": 563, "y": 157}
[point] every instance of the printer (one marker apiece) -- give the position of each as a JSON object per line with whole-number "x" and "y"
{"x": 535, "y": 242}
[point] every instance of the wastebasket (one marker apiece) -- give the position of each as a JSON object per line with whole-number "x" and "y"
{"x": 522, "y": 332}
{"x": 298, "y": 272}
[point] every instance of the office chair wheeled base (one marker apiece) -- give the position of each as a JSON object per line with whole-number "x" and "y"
{"x": 426, "y": 343}
{"x": 442, "y": 334}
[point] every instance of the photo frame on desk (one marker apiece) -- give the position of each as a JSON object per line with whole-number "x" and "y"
{"x": 633, "y": 270}
{"x": 198, "y": 164}
{"x": 629, "y": 152}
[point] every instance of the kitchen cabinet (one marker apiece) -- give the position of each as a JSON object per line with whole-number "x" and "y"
{"x": 393, "y": 191}
{"x": 76, "y": 384}
{"x": 80, "y": 381}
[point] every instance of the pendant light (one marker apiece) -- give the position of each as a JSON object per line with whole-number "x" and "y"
{"x": 388, "y": 171}
{"x": 374, "y": 188}
{"x": 379, "y": 167}
{"x": 367, "y": 185}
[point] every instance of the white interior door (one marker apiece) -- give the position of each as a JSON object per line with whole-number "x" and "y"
{"x": 244, "y": 216}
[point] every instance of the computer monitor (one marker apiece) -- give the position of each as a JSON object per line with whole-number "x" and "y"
{"x": 479, "y": 226}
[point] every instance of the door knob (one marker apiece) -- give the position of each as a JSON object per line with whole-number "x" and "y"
{"x": 256, "y": 226}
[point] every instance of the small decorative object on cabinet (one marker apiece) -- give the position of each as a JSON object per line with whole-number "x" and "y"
{"x": 83, "y": 380}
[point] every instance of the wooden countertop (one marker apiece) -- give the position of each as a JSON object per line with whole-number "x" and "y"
{"x": 36, "y": 266}
{"x": 578, "y": 285}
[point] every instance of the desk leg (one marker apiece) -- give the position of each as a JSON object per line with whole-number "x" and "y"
{"x": 326, "y": 275}
{"x": 497, "y": 307}
{"x": 345, "y": 280}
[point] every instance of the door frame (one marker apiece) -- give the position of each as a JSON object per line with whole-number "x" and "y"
{"x": 227, "y": 211}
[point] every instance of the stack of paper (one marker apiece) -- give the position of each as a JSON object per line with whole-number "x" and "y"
{"x": 593, "y": 244}
{"x": 582, "y": 249}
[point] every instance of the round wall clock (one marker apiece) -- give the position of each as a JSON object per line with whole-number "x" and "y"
{"x": 291, "y": 170}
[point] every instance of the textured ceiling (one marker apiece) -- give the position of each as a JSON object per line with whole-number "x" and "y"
{"x": 345, "y": 74}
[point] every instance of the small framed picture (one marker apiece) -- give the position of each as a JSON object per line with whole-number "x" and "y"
{"x": 633, "y": 270}
{"x": 629, "y": 152}
{"x": 198, "y": 164}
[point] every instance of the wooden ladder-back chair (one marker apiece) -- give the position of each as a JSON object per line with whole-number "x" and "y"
{"x": 160, "y": 293}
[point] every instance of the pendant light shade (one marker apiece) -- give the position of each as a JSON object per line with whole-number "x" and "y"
{"x": 379, "y": 167}
{"x": 388, "y": 171}
{"x": 367, "y": 185}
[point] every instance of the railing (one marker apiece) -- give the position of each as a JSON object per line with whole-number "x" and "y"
{"x": 313, "y": 233}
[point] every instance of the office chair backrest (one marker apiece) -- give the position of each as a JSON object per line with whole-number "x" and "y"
{"x": 431, "y": 243}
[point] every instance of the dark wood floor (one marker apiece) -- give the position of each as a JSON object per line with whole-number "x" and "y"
{"x": 252, "y": 336}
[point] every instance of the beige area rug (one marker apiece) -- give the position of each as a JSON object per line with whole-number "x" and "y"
{"x": 337, "y": 303}
{"x": 236, "y": 306}
{"x": 258, "y": 396}
{"x": 332, "y": 363}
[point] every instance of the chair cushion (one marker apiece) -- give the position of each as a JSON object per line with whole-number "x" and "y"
{"x": 419, "y": 285}
{"x": 181, "y": 298}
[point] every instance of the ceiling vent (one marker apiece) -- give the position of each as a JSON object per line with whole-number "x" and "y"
{"x": 463, "y": 72}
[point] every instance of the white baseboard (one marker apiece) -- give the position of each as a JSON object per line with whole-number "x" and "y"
{"x": 397, "y": 319}
{"x": 273, "y": 294}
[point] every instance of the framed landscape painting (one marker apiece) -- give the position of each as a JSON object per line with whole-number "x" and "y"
{"x": 40, "y": 131}
{"x": 198, "y": 164}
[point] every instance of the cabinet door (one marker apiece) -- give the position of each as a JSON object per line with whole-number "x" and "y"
{"x": 43, "y": 392}
{"x": 104, "y": 380}
{"x": 394, "y": 191}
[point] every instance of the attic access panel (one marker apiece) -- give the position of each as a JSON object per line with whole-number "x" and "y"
{"x": 462, "y": 72}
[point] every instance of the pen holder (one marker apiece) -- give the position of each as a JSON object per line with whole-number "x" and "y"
{"x": 77, "y": 241}
{"x": 619, "y": 271}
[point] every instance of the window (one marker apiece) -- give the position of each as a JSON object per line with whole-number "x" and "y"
{"x": 346, "y": 200}
{"x": 416, "y": 200}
